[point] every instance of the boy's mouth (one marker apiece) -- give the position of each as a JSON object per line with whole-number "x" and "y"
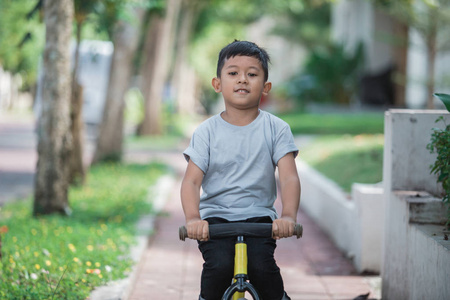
{"x": 243, "y": 91}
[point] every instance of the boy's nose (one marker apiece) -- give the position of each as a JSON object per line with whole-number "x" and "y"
{"x": 242, "y": 79}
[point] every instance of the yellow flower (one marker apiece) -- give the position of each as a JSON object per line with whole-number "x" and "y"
{"x": 14, "y": 239}
{"x": 97, "y": 264}
{"x": 90, "y": 247}
{"x": 75, "y": 259}
{"x": 88, "y": 263}
{"x": 72, "y": 247}
{"x": 89, "y": 271}
{"x": 100, "y": 276}
{"x": 36, "y": 254}
{"x": 37, "y": 266}
{"x": 48, "y": 263}
{"x": 61, "y": 269}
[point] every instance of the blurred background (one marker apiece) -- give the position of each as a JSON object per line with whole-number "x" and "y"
{"x": 141, "y": 70}
{"x": 140, "y": 82}
{"x": 326, "y": 55}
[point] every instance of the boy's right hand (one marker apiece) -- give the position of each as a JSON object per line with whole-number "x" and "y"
{"x": 198, "y": 229}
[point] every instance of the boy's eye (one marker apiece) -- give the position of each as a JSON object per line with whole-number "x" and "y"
{"x": 232, "y": 73}
{"x": 252, "y": 74}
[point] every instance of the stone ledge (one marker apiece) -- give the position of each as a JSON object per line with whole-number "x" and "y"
{"x": 424, "y": 208}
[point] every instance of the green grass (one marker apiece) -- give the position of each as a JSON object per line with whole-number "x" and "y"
{"x": 347, "y": 159}
{"x": 57, "y": 257}
{"x": 360, "y": 123}
{"x": 163, "y": 142}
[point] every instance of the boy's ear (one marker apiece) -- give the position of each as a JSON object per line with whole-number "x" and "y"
{"x": 216, "y": 84}
{"x": 267, "y": 88}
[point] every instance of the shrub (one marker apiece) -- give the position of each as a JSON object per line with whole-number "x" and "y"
{"x": 440, "y": 143}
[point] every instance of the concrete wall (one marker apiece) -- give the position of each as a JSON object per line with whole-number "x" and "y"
{"x": 362, "y": 225}
{"x": 416, "y": 256}
{"x": 416, "y": 259}
{"x": 406, "y": 159}
{"x": 369, "y": 226}
{"x": 355, "y": 224}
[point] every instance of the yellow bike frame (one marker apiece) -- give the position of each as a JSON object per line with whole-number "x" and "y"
{"x": 240, "y": 264}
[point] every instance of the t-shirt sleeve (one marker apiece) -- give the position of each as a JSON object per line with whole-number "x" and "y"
{"x": 284, "y": 144}
{"x": 198, "y": 150}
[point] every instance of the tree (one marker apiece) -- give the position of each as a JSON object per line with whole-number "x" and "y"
{"x": 21, "y": 39}
{"x": 431, "y": 19}
{"x": 125, "y": 38}
{"x": 158, "y": 44}
{"x": 184, "y": 78}
{"x": 77, "y": 172}
{"x": 54, "y": 138}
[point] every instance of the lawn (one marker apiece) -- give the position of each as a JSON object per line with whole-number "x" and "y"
{"x": 347, "y": 159}
{"x": 347, "y": 148}
{"x": 349, "y": 123}
{"x": 57, "y": 257}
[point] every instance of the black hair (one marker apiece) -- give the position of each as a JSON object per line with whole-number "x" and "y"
{"x": 244, "y": 48}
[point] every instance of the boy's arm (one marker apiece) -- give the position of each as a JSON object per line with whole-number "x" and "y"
{"x": 290, "y": 197}
{"x": 190, "y": 200}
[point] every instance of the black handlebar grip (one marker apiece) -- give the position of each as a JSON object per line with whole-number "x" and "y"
{"x": 298, "y": 230}
{"x": 182, "y": 231}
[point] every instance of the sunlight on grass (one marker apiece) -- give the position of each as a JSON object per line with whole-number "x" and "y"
{"x": 361, "y": 123}
{"x": 347, "y": 159}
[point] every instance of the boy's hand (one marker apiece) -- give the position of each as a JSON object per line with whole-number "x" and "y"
{"x": 198, "y": 229}
{"x": 283, "y": 228}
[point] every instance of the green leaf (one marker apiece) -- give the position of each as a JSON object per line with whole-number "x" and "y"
{"x": 445, "y": 98}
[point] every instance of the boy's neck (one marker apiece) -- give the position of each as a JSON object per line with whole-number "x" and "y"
{"x": 240, "y": 117}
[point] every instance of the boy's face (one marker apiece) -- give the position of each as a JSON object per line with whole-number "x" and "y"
{"x": 242, "y": 82}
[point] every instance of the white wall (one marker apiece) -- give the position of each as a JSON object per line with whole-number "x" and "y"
{"x": 406, "y": 158}
{"x": 416, "y": 260}
{"x": 355, "y": 224}
{"x": 356, "y": 20}
{"x": 416, "y": 257}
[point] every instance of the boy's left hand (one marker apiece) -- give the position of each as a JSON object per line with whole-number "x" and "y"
{"x": 283, "y": 228}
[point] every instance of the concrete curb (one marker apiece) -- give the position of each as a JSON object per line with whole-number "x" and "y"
{"x": 121, "y": 289}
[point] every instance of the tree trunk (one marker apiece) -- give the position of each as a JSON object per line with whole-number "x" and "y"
{"x": 431, "y": 59}
{"x": 184, "y": 79}
{"x": 161, "y": 39}
{"x": 77, "y": 172}
{"x": 401, "y": 62}
{"x": 54, "y": 138}
{"x": 110, "y": 138}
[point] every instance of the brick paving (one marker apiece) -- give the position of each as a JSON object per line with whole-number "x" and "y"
{"x": 312, "y": 267}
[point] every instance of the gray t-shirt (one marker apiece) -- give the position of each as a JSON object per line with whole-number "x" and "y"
{"x": 239, "y": 164}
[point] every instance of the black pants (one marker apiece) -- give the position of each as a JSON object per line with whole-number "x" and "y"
{"x": 218, "y": 268}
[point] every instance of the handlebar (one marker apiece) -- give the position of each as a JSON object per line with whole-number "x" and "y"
{"x": 224, "y": 230}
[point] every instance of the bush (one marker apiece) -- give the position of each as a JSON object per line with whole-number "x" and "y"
{"x": 330, "y": 75}
{"x": 440, "y": 143}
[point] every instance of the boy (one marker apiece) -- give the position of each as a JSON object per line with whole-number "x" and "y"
{"x": 233, "y": 157}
